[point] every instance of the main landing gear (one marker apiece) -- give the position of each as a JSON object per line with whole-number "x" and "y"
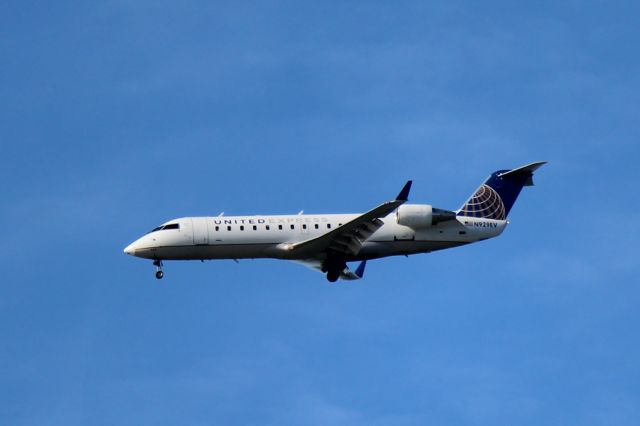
{"x": 158, "y": 265}
{"x": 333, "y": 266}
{"x": 332, "y": 276}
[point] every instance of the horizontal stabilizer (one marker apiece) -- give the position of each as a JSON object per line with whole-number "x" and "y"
{"x": 525, "y": 172}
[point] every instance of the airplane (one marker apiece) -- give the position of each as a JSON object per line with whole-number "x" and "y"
{"x": 327, "y": 242}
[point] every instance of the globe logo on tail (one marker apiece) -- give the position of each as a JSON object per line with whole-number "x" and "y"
{"x": 485, "y": 203}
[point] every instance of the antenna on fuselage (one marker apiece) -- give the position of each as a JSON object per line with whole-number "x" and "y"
{"x": 221, "y": 214}
{"x": 301, "y": 212}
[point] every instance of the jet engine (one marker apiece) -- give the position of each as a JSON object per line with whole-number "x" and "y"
{"x": 418, "y": 216}
{"x": 415, "y": 216}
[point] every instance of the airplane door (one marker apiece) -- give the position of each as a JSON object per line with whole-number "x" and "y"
{"x": 200, "y": 231}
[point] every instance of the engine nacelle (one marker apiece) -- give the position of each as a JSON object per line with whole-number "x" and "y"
{"x": 415, "y": 216}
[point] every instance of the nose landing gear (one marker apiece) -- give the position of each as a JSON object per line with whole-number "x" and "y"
{"x": 158, "y": 265}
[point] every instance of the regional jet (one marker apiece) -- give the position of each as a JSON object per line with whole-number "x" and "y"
{"x": 327, "y": 242}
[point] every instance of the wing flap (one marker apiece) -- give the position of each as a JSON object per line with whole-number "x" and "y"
{"x": 351, "y": 246}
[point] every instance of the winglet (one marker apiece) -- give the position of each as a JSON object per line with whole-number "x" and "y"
{"x": 404, "y": 194}
{"x": 360, "y": 270}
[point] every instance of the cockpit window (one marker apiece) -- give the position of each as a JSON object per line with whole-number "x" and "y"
{"x": 169, "y": 226}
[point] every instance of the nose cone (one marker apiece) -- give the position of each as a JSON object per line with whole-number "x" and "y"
{"x": 130, "y": 249}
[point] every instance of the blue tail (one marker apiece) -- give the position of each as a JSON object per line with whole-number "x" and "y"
{"x": 495, "y": 198}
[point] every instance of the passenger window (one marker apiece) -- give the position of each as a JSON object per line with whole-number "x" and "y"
{"x": 241, "y": 228}
{"x": 266, "y": 227}
{"x": 304, "y": 226}
{"x": 316, "y": 225}
{"x": 217, "y": 228}
{"x": 293, "y": 227}
{"x": 255, "y": 228}
{"x": 280, "y": 227}
{"x": 228, "y": 228}
{"x": 328, "y": 226}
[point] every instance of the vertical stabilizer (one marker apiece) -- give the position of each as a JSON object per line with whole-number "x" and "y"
{"x": 497, "y": 195}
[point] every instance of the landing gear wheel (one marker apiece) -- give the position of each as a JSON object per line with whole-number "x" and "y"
{"x": 332, "y": 276}
{"x": 158, "y": 265}
{"x": 333, "y": 265}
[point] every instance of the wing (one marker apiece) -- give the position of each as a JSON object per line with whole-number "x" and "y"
{"x": 348, "y": 238}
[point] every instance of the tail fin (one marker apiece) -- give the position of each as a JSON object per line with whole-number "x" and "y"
{"x": 495, "y": 197}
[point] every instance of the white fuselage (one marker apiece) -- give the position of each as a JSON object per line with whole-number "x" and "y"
{"x": 241, "y": 237}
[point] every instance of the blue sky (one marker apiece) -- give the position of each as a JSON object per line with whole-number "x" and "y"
{"x": 118, "y": 115}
